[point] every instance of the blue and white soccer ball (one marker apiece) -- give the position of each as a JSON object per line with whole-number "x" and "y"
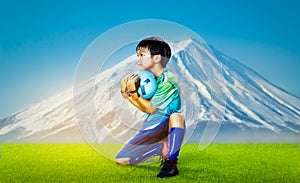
{"x": 148, "y": 84}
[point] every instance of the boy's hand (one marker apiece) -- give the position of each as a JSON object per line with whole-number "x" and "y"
{"x": 133, "y": 83}
{"x": 130, "y": 85}
{"x": 124, "y": 90}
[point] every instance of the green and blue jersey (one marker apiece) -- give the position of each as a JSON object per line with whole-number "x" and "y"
{"x": 166, "y": 99}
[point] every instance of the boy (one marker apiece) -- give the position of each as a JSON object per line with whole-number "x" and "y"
{"x": 163, "y": 120}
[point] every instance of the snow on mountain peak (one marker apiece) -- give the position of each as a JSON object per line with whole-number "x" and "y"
{"x": 212, "y": 84}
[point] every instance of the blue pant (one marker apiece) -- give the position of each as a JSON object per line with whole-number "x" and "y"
{"x": 146, "y": 143}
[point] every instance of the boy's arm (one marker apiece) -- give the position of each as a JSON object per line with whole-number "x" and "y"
{"x": 129, "y": 86}
{"x": 143, "y": 105}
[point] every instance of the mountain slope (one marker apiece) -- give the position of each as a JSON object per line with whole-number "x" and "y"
{"x": 214, "y": 88}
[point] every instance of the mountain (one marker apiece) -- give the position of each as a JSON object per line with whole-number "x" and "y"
{"x": 221, "y": 97}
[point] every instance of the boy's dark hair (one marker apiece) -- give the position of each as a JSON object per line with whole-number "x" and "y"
{"x": 156, "y": 46}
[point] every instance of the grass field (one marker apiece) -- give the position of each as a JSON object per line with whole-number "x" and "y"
{"x": 217, "y": 163}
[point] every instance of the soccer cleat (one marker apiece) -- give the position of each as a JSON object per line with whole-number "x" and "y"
{"x": 169, "y": 168}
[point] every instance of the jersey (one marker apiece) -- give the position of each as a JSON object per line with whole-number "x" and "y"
{"x": 166, "y": 99}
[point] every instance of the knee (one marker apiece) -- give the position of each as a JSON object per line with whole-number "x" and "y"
{"x": 176, "y": 120}
{"x": 122, "y": 161}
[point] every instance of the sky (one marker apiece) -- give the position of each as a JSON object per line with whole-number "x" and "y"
{"x": 41, "y": 42}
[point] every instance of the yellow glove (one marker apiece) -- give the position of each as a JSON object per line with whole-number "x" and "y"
{"x": 124, "y": 90}
{"x": 133, "y": 83}
{"x": 130, "y": 85}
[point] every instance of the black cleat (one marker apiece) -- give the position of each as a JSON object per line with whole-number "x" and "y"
{"x": 169, "y": 168}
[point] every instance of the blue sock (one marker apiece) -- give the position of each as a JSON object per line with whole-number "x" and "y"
{"x": 175, "y": 140}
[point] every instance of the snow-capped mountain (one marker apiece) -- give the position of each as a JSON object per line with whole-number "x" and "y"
{"x": 214, "y": 89}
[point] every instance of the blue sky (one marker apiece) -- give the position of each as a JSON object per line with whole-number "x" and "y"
{"x": 41, "y": 42}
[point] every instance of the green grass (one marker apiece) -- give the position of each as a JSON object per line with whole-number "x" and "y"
{"x": 217, "y": 163}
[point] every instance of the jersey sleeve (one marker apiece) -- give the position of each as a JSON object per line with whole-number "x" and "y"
{"x": 165, "y": 94}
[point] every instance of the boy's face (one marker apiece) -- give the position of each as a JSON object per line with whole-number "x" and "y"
{"x": 145, "y": 61}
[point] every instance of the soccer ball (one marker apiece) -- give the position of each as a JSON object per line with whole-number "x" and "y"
{"x": 148, "y": 84}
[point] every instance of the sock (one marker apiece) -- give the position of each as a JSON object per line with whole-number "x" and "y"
{"x": 175, "y": 140}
